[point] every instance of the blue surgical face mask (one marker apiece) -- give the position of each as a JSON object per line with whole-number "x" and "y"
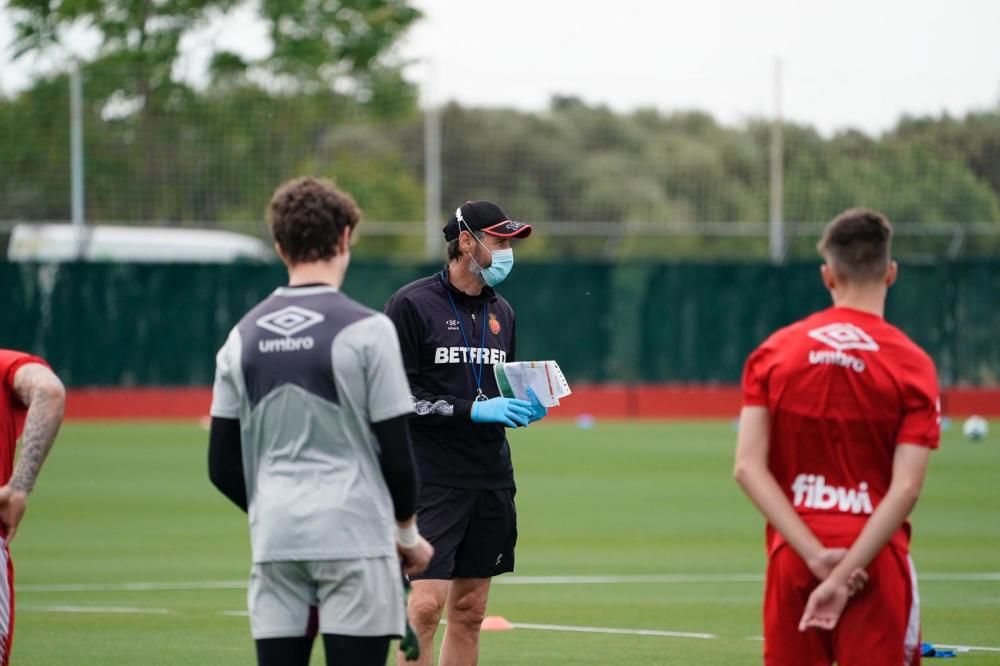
{"x": 499, "y": 269}
{"x": 500, "y": 266}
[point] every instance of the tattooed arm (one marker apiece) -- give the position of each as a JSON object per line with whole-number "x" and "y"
{"x": 42, "y": 392}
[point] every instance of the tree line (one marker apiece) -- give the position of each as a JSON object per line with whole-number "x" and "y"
{"x": 330, "y": 100}
{"x": 217, "y": 153}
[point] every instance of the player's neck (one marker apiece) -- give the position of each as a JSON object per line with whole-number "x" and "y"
{"x": 329, "y": 272}
{"x": 866, "y": 298}
{"x": 464, "y": 279}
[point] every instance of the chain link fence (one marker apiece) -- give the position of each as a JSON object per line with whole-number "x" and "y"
{"x": 598, "y": 183}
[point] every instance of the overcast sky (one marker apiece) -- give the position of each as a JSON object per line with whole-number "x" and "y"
{"x": 852, "y": 63}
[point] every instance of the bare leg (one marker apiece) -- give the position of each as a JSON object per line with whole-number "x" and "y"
{"x": 466, "y": 610}
{"x": 427, "y": 600}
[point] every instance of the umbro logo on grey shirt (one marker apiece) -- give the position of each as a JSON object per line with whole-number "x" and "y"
{"x": 289, "y": 320}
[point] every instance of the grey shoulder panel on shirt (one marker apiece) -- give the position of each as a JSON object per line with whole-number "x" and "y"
{"x": 228, "y": 378}
{"x": 379, "y": 367}
{"x": 288, "y": 339}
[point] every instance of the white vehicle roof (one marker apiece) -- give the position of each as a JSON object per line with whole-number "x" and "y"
{"x": 64, "y": 242}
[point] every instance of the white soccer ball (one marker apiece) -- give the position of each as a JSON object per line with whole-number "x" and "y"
{"x": 975, "y": 428}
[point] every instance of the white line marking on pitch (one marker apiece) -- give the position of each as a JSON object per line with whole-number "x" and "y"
{"x": 610, "y": 630}
{"x": 957, "y": 648}
{"x": 710, "y": 578}
{"x": 665, "y": 579}
{"x": 615, "y": 580}
{"x": 966, "y": 648}
{"x": 517, "y": 625}
{"x": 118, "y": 610}
{"x": 958, "y": 577}
{"x": 684, "y": 634}
{"x": 135, "y": 587}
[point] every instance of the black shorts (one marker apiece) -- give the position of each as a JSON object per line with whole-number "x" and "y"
{"x": 473, "y": 531}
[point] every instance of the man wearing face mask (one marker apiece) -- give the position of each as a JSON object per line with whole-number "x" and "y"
{"x": 453, "y": 328}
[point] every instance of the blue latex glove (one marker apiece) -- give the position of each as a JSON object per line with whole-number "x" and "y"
{"x": 506, "y": 411}
{"x": 928, "y": 650}
{"x": 538, "y": 410}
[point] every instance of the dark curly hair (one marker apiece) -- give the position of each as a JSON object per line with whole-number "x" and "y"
{"x": 308, "y": 216}
{"x": 857, "y": 244}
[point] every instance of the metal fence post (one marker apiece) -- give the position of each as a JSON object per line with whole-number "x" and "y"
{"x": 432, "y": 181}
{"x": 76, "y": 143}
{"x": 776, "y": 236}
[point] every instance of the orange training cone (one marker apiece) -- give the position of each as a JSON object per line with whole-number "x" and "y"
{"x": 496, "y": 623}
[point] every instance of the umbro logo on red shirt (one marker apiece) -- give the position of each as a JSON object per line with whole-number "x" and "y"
{"x": 841, "y": 337}
{"x": 844, "y": 336}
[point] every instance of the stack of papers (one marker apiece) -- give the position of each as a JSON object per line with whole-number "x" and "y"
{"x": 543, "y": 377}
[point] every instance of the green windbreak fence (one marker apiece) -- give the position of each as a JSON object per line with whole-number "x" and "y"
{"x": 155, "y": 324}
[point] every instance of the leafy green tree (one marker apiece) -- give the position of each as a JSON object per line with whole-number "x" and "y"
{"x": 131, "y": 90}
{"x": 320, "y": 43}
{"x": 35, "y": 153}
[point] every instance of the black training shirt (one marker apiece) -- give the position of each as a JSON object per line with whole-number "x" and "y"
{"x": 440, "y": 364}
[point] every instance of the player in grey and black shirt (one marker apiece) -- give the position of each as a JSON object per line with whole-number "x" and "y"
{"x": 309, "y": 436}
{"x": 453, "y": 328}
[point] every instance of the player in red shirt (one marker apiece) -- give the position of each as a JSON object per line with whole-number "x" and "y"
{"x": 32, "y": 400}
{"x": 840, "y": 415}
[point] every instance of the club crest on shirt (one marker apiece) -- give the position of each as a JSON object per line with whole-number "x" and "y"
{"x": 494, "y": 324}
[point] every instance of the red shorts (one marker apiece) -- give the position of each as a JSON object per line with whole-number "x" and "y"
{"x": 6, "y": 603}
{"x": 880, "y": 625}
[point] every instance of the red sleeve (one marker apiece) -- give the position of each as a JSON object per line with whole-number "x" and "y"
{"x": 10, "y": 362}
{"x": 755, "y": 378}
{"x": 921, "y": 422}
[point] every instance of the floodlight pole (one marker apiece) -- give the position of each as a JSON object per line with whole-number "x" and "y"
{"x": 76, "y": 145}
{"x": 776, "y": 235}
{"x": 432, "y": 181}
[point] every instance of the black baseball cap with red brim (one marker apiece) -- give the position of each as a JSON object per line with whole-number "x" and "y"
{"x": 484, "y": 216}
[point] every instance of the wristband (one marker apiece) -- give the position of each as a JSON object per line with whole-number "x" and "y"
{"x": 407, "y": 537}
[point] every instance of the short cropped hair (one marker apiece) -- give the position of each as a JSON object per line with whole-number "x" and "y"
{"x": 857, "y": 245}
{"x": 308, "y": 216}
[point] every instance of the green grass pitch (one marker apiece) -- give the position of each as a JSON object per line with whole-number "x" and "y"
{"x": 130, "y": 503}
